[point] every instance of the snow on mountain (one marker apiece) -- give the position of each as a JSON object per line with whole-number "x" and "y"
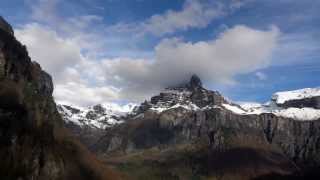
{"x": 190, "y": 96}
{"x": 234, "y": 108}
{"x": 189, "y": 106}
{"x": 300, "y": 113}
{"x": 282, "y": 97}
{"x": 303, "y": 113}
{"x": 99, "y": 116}
{"x": 198, "y": 98}
{"x": 172, "y": 99}
{"x": 306, "y": 114}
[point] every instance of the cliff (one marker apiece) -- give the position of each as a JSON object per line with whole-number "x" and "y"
{"x": 33, "y": 142}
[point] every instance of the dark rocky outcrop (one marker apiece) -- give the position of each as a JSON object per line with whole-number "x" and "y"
{"x": 33, "y": 142}
{"x": 195, "y": 82}
{"x": 312, "y": 102}
{"x": 191, "y": 92}
{"x": 6, "y": 26}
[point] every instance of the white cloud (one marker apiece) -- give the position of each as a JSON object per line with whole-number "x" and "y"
{"x": 69, "y": 48}
{"x": 77, "y": 79}
{"x": 82, "y": 95}
{"x": 237, "y": 51}
{"x": 54, "y": 53}
{"x": 81, "y": 80}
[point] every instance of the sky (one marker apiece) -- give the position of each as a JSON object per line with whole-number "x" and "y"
{"x": 122, "y": 51}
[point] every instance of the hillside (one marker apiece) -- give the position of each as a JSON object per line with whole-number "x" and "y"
{"x": 34, "y": 143}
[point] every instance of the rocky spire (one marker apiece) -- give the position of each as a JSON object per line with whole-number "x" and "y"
{"x": 5, "y": 26}
{"x": 195, "y": 82}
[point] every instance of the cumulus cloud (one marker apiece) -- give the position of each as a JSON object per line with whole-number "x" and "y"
{"x": 82, "y": 95}
{"x": 236, "y": 51}
{"x": 67, "y": 50}
{"x": 54, "y": 53}
{"x": 75, "y": 75}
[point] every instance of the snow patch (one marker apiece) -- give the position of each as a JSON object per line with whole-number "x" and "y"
{"x": 282, "y": 97}
{"x": 190, "y": 107}
{"x": 307, "y": 114}
{"x": 302, "y": 114}
{"x": 234, "y": 108}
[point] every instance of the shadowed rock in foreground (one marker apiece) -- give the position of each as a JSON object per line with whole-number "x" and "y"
{"x": 33, "y": 143}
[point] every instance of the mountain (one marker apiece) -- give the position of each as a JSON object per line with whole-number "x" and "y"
{"x": 302, "y": 104}
{"x": 189, "y": 132}
{"x": 34, "y": 145}
{"x": 89, "y": 124}
{"x": 99, "y": 116}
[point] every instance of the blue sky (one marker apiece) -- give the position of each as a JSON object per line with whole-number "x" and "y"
{"x": 127, "y": 50}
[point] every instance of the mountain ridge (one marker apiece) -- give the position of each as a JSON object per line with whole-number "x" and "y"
{"x": 203, "y": 122}
{"x": 303, "y": 105}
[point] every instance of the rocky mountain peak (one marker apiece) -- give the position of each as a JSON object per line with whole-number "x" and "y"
{"x": 5, "y": 26}
{"x": 195, "y": 82}
{"x": 191, "y": 96}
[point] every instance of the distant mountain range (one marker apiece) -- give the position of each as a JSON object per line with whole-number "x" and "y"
{"x": 190, "y": 124}
{"x": 302, "y": 104}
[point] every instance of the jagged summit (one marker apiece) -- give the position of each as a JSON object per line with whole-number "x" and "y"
{"x": 191, "y": 96}
{"x": 195, "y": 82}
{"x": 5, "y": 26}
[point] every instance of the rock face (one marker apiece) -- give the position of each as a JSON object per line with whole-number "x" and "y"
{"x": 6, "y": 26}
{"x": 312, "y": 102}
{"x": 191, "y": 116}
{"x": 33, "y": 142}
{"x": 301, "y": 98}
{"x": 191, "y": 94}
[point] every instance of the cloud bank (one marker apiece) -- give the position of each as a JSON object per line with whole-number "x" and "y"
{"x": 68, "y": 48}
{"x": 236, "y": 51}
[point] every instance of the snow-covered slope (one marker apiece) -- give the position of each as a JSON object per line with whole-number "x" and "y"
{"x": 99, "y": 116}
{"x": 282, "y": 97}
{"x": 274, "y": 106}
{"x": 191, "y": 99}
{"x": 304, "y": 113}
